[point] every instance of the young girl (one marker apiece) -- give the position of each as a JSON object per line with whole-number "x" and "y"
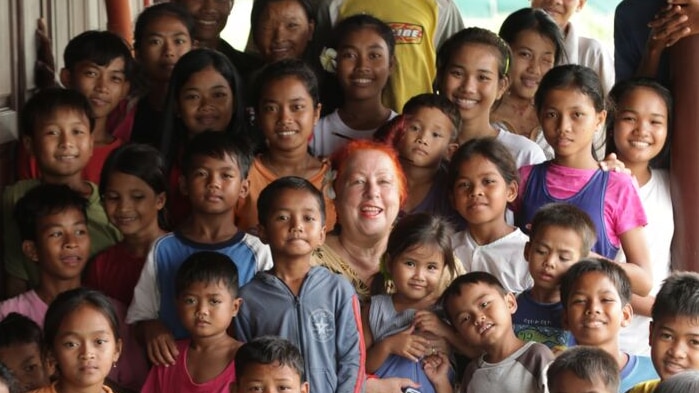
{"x": 637, "y": 132}
{"x": 133, "y": 189}
{"x": 287, "y": 109}
{"x": 483, "y": 181}
{"x": 472, "y": 68}
{"x": 81, "y": 332}
{"x": 570, "y": 105}
{"x": 364, "y": 56}
{"x": 537, "y": 45}
{"x": 401, "y": 328}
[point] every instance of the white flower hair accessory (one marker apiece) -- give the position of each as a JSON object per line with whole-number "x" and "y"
{"x": 327, "y": 185}
{"x": 328, "y": 59}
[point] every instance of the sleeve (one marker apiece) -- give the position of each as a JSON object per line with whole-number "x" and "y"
{"x": 12, "y": 249}
{"x": 449, "y": 21}
{"x": 624, "y": 203}
{"x": 606, "y": 69}
{"x": 241, "y": 323}
{"x": 524, "y": 173}
{"x": 153, "y": 381}
{"x": 146, "y": 296}
{"x": 351, "y": 351}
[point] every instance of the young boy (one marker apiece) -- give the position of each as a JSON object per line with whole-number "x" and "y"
{"x": 267, "y": 362}
{"x": 595, "y": 294}
{"x": 583, "y": 369}
{"x": 431, "y": 124}
{"x": 480, "y": 309}
{"x": 560, "y": 235}
{"x": 215, "y": 169}
{"x": 56, "y": 128}
{"x": 675, "y": 328}
{"x": 314, "y": 308}
{"x": 206, "y": 286}
{"x": 21, "y": 343}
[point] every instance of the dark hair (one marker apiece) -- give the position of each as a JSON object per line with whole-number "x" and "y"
{"x": 217, "y": 145}
{"x": 99, "y": 47}
{"x": 9, "y": 379}
{"x": 571, "y": 76}
{"x": 565, "y": 215}
{"x": 157, "y": 11}
{"x": 269, "y": 350}
{"x": 619, "y": 93}
{"x": 209, "y": 267}
{"x": 678, "y": 296}
{"x": 587, "y": 363}
{"x": 259, "y": 7}
{"x": 46, "y": 102}
{"x": 363, "y": 21}
{"x": 684, "y": 382}
{"x": 538, "y": 21}
{"x": 16, "y": 328}
{"x": 270, "y": 193}
{"x": 69, "y": 301}
{"x": 44, "y": 200}
{"x": 488, "y": 148}
{"x": 475, "y": 277}
{"x": 174, "y": 134}
{"x": 611, "y": 270}
{"x": 472, "y": 35}
{"x": 287, "y": 68}
{"x": 439, "y": 102}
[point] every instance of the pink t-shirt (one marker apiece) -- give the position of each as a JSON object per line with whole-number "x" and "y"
{"x": 623, "y": 209}
{"x": 177, "y": 379}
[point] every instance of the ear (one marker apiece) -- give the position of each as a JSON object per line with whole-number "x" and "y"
{"x": 451, "y": 148}
{"x": 651, "y": 326}
{"x": 321, "y": 239}
{"x": 601, "y": 118}
{"x": 304, "y": 387}
{"x": 311, "y": 30}
{"x": 626, "y": 315}
{"x": 392, "y": 64}
{"x": 29, "y": 250}
{"x": 512, "y": 190}
{"x": 244, "y": 189}
{"x": 27, "y": 143}
{"x": 262, "y": 233}
{"x": 316, "y": 113}
{"x": 235, "y": 306}
{"x": 160, "y": 201}
{"x": 195, "y": 43}
{"x": 117, "y": 351}
{"x": 503, "y": 84}
{"x": 511, "y": 302}
{"x": 65, "y": 78}
{"x": 527, "y": 248}
{"x": 182, "y": 183}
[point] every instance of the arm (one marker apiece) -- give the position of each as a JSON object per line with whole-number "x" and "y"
{"x": 638, "y": 266}
{"x": 349, "y": 342}
{"x": 642, "y": 304}
{"x": 437, "y": 370}
{"x": 428, "y": 321}
{"x": 406, "y": 344}
{"x": 668, "y": 26}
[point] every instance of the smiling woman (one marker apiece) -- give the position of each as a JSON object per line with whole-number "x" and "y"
{"x": 282, "y": 29}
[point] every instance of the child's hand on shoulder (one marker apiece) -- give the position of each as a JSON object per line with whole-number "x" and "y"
{"x": 612, "y": 164}
{"x": 408, "y": 345}
{"x": 160, "y": 343}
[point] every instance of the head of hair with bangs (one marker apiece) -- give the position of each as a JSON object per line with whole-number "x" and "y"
{"x": 46, "y": 103}
{"x": 99, "y": 47}
{"x": 218, "y": 145}
{"x": 207, "y": 267}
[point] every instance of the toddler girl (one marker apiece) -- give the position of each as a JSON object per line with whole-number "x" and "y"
{"x": 570, "y": 105}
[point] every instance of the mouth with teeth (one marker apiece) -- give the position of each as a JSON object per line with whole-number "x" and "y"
{"x": 370, "y": 211}
{"x": 465, "y": 103}
{"x": 639, "y": 144}
{"x": 593, "y": 323}
{"x": 484, "y": 328}
{"x": 286, "y": 133}
{"x": 530, "y": 83}
{"x": 670, "y": 367}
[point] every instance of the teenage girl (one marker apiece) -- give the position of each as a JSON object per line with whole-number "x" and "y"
{"x": 637, "y": 132}
{"x": 365, "y": 57}
{"x": 537, "y": 45}
{"x": 401, "y": 328}
{"x": 133, "y": 187}
{"x": 483, "y": 181}
{"x": 472, "y": 67}
{"x": 570, "y": 104}
{"x": 81, "y": 332}
{"x": 288, "y": 108}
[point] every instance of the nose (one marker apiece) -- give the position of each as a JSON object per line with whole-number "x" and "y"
{"x": 371, "y": 189}
{"x": 296, "y": 224}
{"x": 168, "y": 49}
{"x": 86, "y": 351}
{"x": 214, "y": 181}
{"x": 202, "y": 309}
{"x": 476, "y": 189}
{"x": 70, "y": 240}
{"x": 422, "y": 137}
{"x": 469, "y": 84}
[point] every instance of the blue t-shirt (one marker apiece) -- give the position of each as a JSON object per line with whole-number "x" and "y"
{"x": 638, "y": 369}
{"x": 540, "y": 322}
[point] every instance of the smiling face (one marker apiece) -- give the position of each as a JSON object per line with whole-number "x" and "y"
{"x": 640, "y": 126}
{"x": 210, "y": 18}
{"x": 533, "y": 56}
{"x": 674, "y": 345}
{"x": 214, "y": 185}
{"x": 427, "y": 138}
{"x": 206, "y": 102}
{"x": 164, "y": 41}
{"x": 363, "y": 64}
{"x": 206, "y": 309}
{"x": 103, "y": 85}
{"x": 131, "y": 204}
{"x": 551, "y": 253}
{"x": 26, "y": 363}
{"x": 283, "y": 31}
{"x": 417, "y": 273}
{"x": 560, "y": 10}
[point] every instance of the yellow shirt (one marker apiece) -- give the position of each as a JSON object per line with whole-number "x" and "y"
{"x": 645, "y": 387}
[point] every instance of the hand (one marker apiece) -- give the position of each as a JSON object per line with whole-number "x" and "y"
{"x": 427, "y": 321}
{"x": 408, "y": 345}
{"x": 668, "y": 26}
{"x": 436, "y": 368}
{"x": 389, "y": 385}
{"x": 160, "y": 343}
{"x": 612, "y": 163}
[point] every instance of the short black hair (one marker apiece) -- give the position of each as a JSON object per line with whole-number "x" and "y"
{"x": 209, "y": 267}
{"x": 99, "y": 47}
{"x": 16, "y": 328}
{"x": 270, "y": 193}
{"x": 156, "y": 11}
{"x": 678, "y": 296}
{"x": 9, "y": 379}
{"x": 287, "y": 68}
{"x": 439, "y": 102}
{"x": 611, "y": 270}
{"x": 358, "y": 22}
{"x": 537, "y": 20}
{"x": 46, "y": 102}
{"x": 565, "y": 215}
{"x": 489, "y": 148}
{"x": 587, "y": 363}
{"x": 269, "y": 350}
{"x": 219, "y": 145}
{"x": 44, "y": 200}
{"x": 475, "y": 277}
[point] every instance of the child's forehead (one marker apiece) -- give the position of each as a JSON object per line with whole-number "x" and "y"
{"x": 225, "y": 159}
{"x": 63, "y": 114}
{"x": 425, "y": 113}
{"x": 20, "y": 350}
{"x": 558, "y": 233}
{"x": 116, "y": 64}
{"x": 274, "y": 370}
{"x": 679, "y": 322}
{"x": 306, "y": 197}
{"x": 69, "y": 215}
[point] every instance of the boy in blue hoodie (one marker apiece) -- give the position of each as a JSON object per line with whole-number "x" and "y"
{"x": 313, "y": 308}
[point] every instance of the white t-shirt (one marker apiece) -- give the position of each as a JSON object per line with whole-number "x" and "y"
{"x": 331, "y": 133}
{"x": 524, "y": 150}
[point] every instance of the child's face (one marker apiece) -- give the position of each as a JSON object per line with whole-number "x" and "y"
{"x": 640, "y": 126}
{"x": 62, "y": 245}
{"x": 674, "y": 345}
{"x": 164, "y": 41}
{"x": 363, "y": 64}
{"x": 560, "y": 10}
{"x": 131, "y": 204}
{"x": 533, "y": 56}
{"x": 426, "y": 139}
{"x": 206, "y": 309}
{"x": 595, "y": 313}
{"x": 568, "y": 382}
{"x": 569, "y": 120}
{"x": 270, "y": 378}
{"x": 480, "y": 193}
{"x": 206, "y": 102}
{"x": 293, "y": 227}
{"x": 284, "y": 31}
{"x": 27, "y": 365}
{"x": 61, "y": 143}
{"x": 210, "y": 17}
{"x": 85, "y": 348}
{"x": 287, "y": 114}
{"x": 104, "y": 86}
{"x": 214, "y": 185}
{"x": 471, "y": 81}
{"x": 417, "y": 272}
{"x": 551, "y": 253}
{"x": 482, "y": 315}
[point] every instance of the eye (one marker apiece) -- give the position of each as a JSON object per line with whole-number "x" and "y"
{"x": 484, "y": 304}
{"x": 180, "y": 41}
{"x": 375, "y": 55}
{"x": 269, "y": 108}
{"x": 309, "y": 218}
{"x": 525, "y": 54}
{"x": 190, "y": 97}
{"x": 541, "y": 251}
{"x": 694, "y": 342}
{"x": 189, "y": 300}
{"x": 665, "y": 336}
{"x": 80, "y": 232}
{"x": 578, "y": 115}
{"x": 101, "y": 341}
{"x": 282, "y": 217}
{"x": 118, "y": 79}
{"x": 215, "y": 301}
{"x": 550, "y": 115}
{"x": 347, "y": 54}
{"x": 456, "y": 73}
{"x": 433, "y": 267}
{"x": 30, "y": 368}
{"x": 70, "y": 344}
{"x": 155, "y": 42}
{"x": 90, "y": 73}
{"x": 436, "y": 135}
{"x": 220, "y": 94}
{"x": 409, "y": 263}
{"x": 484, "y": 78}
{"x": 298, "y": 107}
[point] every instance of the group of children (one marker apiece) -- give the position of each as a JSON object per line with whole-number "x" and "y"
{"x": 206, "y": 230}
